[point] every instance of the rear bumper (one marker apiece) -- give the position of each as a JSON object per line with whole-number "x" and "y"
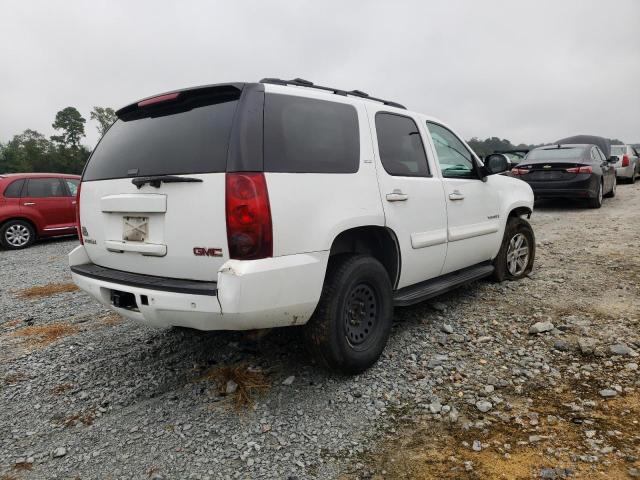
{"x": 626, "y": 172}
{"x": 583, "y": 186}
{"x": 272, "y": 292}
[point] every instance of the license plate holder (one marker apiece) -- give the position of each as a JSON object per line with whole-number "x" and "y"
{"x": 135, "y": 229}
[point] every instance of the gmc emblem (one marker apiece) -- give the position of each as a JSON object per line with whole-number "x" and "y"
{"x": 207, "y": 252}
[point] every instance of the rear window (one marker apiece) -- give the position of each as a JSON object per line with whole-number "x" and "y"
{"x": 618, "y": 149}
{"x": 176, "y": 142}
{"x": 305, "y": 135}
{"x": 555, "y": 153}
{"x": 14, "y": 188}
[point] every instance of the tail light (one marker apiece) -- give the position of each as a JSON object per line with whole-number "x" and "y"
{"x": 249, "y": 230}
{"x": 519, "y": 171}
{"x": 625, "y": 160}
{"x": 78, "y": 227}
{"x": 580, "y": 170}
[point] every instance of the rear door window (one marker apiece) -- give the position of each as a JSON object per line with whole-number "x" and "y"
{"x": 14, "y": 188}
{"x": 176, "y": 142}
{"x": 45, "y": 188}
{"x": 305, "y": 135}
{"x": 401, "y": 150}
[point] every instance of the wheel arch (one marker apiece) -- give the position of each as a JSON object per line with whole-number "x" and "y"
{"x": 377, "y": 241}
{"x": 24, "y": 219}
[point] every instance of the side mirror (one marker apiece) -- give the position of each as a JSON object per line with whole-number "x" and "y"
{"x": 496, "y": 163}
{"x": 612, "y": 159}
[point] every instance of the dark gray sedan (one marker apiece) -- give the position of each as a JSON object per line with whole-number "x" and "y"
{"x": 569, "y": 171}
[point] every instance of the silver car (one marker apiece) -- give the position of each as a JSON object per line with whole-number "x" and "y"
{"x": 628, "y": 163}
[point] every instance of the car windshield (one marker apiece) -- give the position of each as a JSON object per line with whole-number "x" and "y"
{"x": 618, "y": 149}
{"x": 555, "y": 153}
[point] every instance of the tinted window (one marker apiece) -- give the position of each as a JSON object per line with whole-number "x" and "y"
{"x": 401, "y": 149}
{"x": 308, "y": 135}
{"x": 555, "y": 153}
{"x": 72, "y": 185}
{"x": 192, "y": 141}
{"x": 44, "y": 187}
{"x": 455, "y": 159}
{"x": 13, "y": 190}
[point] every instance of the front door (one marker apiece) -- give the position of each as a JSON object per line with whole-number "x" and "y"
{"x": 472, "y": 204}
{"x": 412, "y": 197}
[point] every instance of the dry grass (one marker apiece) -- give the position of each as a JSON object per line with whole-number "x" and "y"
{"x": 249, "y": 381}
{"x": 13, "y": 378}
{"x": 85, "y": 417}
{"x": 47, "y": 290}
{"x": 21, "y": 466}
{"x": 40, "y": 335}
{"x": 8, "y": 476}
{"x": 111, "y": 319}
{"x": 62, "y": 388}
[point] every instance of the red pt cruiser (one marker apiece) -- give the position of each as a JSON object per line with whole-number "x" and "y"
{"x": 36, "y": 205}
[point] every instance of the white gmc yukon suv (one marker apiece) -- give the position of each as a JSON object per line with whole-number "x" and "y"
{"x": 256, "y": 205}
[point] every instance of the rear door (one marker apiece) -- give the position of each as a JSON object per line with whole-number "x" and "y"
{"x": 412, "y": 197}
{"x": 472, "y": 204}
{"x": 46, "y": 200}
{"x": 161, "y": 228}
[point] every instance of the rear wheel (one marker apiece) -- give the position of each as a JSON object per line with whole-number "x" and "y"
{"x": 632, "y": 180}
{"x": 16, "y": 234}
{"x": 517, "y": 252}
{"x": 596, "y": 202}
{"x": 350, "y": 326}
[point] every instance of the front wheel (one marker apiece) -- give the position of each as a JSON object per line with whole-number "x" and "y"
{"x": 517, "y": 252}
{"x": 612, "y": 193}
{"x": 350, "y": 326}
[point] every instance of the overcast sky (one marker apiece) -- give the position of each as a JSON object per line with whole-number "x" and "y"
{"x": 528, "y": 71}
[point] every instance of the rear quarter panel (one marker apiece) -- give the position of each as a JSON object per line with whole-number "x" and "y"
{"x": 310, "y": 209}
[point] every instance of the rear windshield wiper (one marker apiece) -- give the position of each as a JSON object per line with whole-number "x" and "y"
{"x": 157, "y": 180}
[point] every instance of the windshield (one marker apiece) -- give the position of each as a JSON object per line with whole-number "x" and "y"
{"x": 555, "y": 153}
{"x": 618, "y": 149}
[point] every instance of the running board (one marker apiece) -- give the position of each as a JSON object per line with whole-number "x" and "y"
{"x": 436, "y": 286}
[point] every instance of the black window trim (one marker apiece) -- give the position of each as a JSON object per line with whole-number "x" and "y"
{"x": 476, "y": 166}
{"x": 426, "y": 157}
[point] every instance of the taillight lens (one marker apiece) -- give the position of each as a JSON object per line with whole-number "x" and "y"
{"x": 249, "y": 231}
{"x": 580, "y": 170}
{"x": 519, "y": 171}
{"x": 625, "y": 160}
{"x": 78, "y": 227}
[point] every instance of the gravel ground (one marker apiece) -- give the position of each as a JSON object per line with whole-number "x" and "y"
{"x": 537, "y": 378}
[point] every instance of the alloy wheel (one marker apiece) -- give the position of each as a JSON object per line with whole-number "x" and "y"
{"x": 17, "y": 235}
{"x": 518, "y": 254}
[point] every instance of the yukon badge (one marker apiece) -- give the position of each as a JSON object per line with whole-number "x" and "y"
{"x": 207, "y": 252}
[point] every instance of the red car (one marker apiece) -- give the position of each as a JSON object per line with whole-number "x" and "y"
{"x": 36, "y": 205}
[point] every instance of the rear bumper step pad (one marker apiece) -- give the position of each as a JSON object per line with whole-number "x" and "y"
{"x": 192, "y": 287}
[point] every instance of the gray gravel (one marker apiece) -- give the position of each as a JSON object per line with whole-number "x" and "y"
{"x": 119, "y": 400}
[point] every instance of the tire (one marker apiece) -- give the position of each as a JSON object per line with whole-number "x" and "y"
{"x": 612, "y": 193}
{"x": 17, "y": 234}
{"x": 596, "y": 202}
{"x": 632, "y": 180}
{"x": 356, "y": 290}
{"x": 517, "y": 228}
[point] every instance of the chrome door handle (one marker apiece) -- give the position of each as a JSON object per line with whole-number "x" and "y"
{"x": 73, "y": 202}
{"x": 397, "y": 196}
{"x": 26, "y": 204}
{"x": 456, "y": 195}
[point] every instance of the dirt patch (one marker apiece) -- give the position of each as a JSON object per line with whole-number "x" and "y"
{"x": 62, "y": 388}
{"x": 111, "y": 319}
{"x": 47, "y": 290}
{"x": 552, "y": 434}
{"x": 84, "y": 417}
{"x": 13, "y": 378}
{"x": 41, "y": 335}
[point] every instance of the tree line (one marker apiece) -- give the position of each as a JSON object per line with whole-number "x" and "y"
{"x": 63, "y": 152}
{"x": 31, "y": 151}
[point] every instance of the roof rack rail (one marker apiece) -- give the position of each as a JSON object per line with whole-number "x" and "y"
{"x": 300, "y": 82}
